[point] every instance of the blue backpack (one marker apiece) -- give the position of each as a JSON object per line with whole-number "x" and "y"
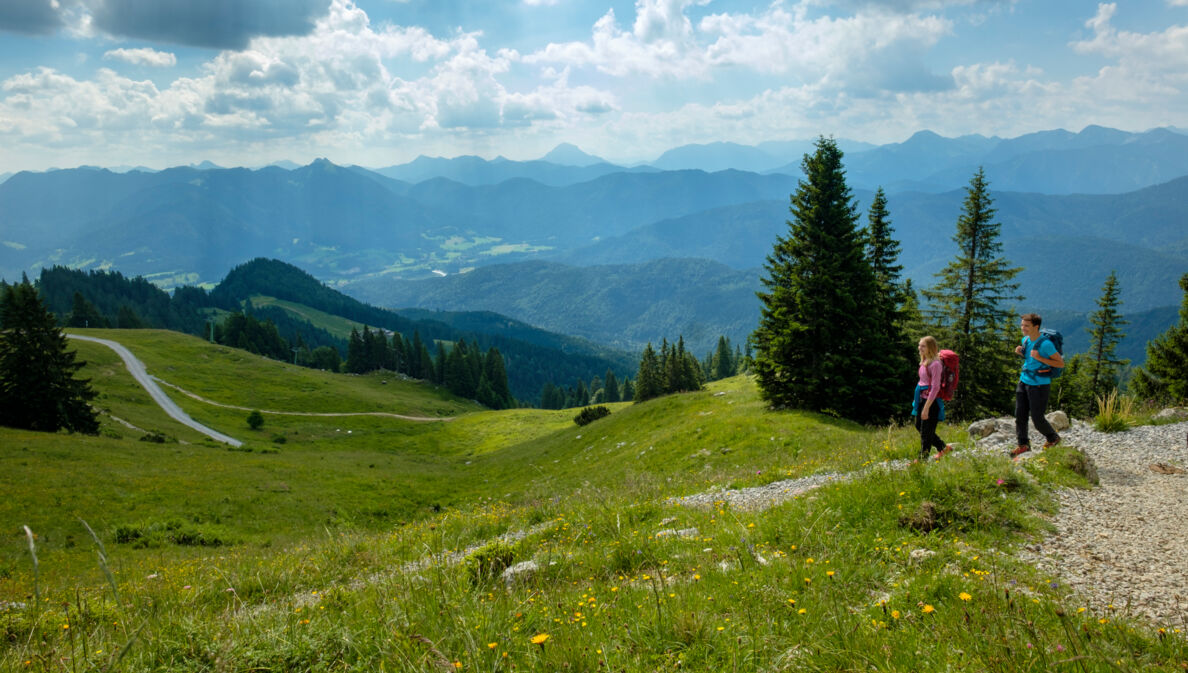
{"x": 1057, "y": 340}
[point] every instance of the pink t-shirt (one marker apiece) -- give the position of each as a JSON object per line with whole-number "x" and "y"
{"x": 930, "y": 375}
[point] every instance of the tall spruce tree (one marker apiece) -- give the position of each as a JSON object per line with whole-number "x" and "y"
{"x": 1164, "y": 377}
{"x": 38, "y": 389}
{"x": 1104, "y": 337}
{"x": 892, "y": 306}
{"x": 970, "y": 305}
{"x": 819, "y": 345}
{"x": 649, "y": 379}
{"x": 611, "y": 385}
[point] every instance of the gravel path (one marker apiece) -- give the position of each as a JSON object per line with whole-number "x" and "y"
{"x": 136, "y": 368}
{"x": 1123, "y": 543}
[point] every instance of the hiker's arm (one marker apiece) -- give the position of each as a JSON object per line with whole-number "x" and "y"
{"x": 1057, "y": 360}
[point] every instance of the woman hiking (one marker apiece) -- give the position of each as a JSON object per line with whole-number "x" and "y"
{"x": 927, "y": 408}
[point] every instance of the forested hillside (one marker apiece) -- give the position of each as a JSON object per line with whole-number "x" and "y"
{"x": 533, "y": 357}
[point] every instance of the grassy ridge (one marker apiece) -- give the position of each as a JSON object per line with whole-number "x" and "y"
{"x": 333, "y": 557}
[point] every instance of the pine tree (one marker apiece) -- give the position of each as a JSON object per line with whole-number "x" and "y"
{"x": 1164, "y": 377}
{"x": 969, "y": 303}
{"x": 1104, "y": 337}
{"x": 83, "y": 313}
{"x": 891, "y": 305}
{"x": 818, "y": 345}
{"x": 648, "y": 380}
{"x": 356, "y": 362}
{"x": 495, "y": 373}
{"x": 38, "y": 390}
{"x": 722, "y": 361}
{"x": 611, "y": 386}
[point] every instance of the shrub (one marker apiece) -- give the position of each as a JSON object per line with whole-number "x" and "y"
{"x": 1079, "y": 462}
{"x": 489, "y": 561}
{"x": 279, "y": 439}
{"x": 255, "y": 420}
{"x": 157, "y": 437}
{"x": 591, "y": 414}
{"x": 156, "y": 533}
{"x": 1114, "y": 412}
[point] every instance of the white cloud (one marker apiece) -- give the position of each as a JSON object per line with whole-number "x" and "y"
{"x": 144, "y": 56}
{"x": 661, "y": 43}
{"x": 868, "y": 46}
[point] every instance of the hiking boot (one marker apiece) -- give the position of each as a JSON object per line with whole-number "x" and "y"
{"x": 1020, "y": 450}
{"x": 1048, "y": 445}
{"x": 945, "y": 451}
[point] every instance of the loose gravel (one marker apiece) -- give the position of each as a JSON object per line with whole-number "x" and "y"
{"x": 1122, "y": 545}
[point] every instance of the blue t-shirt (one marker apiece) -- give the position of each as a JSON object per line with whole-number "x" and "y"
{"x": 1030, "y": 365}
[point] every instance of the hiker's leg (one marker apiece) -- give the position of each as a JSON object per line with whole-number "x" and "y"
{"x": 936, "y": 440}
{"x": 1037, "y": 397}
{"x": 922, "y": 428}
{"x": 1022, "y": 412}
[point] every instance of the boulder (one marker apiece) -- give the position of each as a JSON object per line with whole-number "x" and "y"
{"x": 520, "y": 572}
{"x": 1058, "y": 420}
{"x": 983, "y": 428}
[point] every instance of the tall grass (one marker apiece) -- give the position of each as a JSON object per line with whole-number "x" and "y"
{"x": 1115, "y": 412}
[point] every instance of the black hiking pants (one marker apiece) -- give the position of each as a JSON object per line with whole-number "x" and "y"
{"x": 1031, "y": 402}
{"x": 928, "y": 436}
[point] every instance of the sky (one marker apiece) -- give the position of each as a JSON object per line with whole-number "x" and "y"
{"x": 160, "y": 83}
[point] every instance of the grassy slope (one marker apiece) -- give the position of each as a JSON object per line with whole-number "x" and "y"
{"x": 336, "y": 325}
{"x": 321, "y": 530}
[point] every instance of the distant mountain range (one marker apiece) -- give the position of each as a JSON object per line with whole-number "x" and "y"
{"x": 368, "y": 231}
{"x": 1097, "y": 160}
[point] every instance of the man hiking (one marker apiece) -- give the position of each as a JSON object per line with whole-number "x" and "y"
{"x": 1031, "y": 395}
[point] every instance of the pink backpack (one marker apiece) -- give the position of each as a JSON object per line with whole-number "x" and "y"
{"x": 949, "y": 373}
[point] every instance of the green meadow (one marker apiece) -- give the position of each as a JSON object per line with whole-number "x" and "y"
{"x": 344, "y": 537}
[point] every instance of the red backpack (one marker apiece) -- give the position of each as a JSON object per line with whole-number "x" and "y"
{"x": 949, "y": 373}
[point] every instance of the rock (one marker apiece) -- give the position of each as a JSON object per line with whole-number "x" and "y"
{"x": 520, "y": 572}
{"x": 1058, "y": 420}
{"x": 983, "y": 428}
{"x": 1164, "y": 468}
{"x": 1173, "y": 413}
{"x": 919, "y": 555}
{"x": 684, "y": 532}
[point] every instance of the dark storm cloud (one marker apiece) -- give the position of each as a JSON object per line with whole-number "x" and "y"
{"x": 217, "y": 24}
{"x": 30, "y": 17}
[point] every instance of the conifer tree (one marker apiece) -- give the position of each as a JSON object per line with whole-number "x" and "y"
{"x": 434, "y": 368}
{"x": 970, "y": 304}
{"x": 415, "y": 369}
{"x": 891, "y": 301}
{"x": 38, "y": 389}
{"x": 722, "y": 361}
{"x": 1164, "y": 377}
{"x": 818, "y": 345}
{"x": 495, "y": 373}
{"x": 83, "y": 313}
{"x": 1104, "y": 337}
{"x": 628, "y": 390}
{"x": 611, "y": 385}
{"x": 356, "y": 362}
{"x": 648, "y": 380}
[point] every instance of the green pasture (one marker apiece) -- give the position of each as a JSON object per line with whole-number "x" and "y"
{"x": 372, "y": 543}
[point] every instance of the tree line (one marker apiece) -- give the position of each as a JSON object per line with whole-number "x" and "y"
{"x": 109, "y": 299}
{"x": 838, "y": 323}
